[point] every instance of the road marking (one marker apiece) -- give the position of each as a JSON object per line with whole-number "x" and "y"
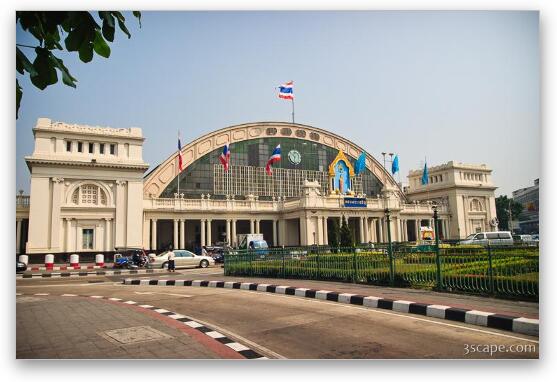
{"x": 376, "y": 311}
{"x": 221, "y": 331}
{"x": 168, "y": 294}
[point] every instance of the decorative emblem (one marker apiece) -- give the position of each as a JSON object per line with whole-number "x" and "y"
{"x": 294, "y": 157}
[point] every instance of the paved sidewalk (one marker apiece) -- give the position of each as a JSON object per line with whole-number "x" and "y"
{"x": 79, "y": 328}
{"x": 486, "y": 304}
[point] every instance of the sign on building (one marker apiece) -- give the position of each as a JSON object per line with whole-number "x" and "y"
{"x": 355, "y": 202}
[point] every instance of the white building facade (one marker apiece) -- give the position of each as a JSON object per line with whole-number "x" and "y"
{"x": 89, "y": 192}
{"x": 466, "y": 190}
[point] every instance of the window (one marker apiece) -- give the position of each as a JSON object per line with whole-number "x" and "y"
{"x": 101, "y": 148}
{"x": 68, "y": 146}
{"x": 476, "y": 205}
{"x": 112, "y": 149}
{"x": 80, "y": 147}
{"x": 89, "y": 194}
{"x": 492, "y": 236}
{"x": 91, "y": 148}
{"x": 87, "y": 238}
{"x": 480, "y": 236}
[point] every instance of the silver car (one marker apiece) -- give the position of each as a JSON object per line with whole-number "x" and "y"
{"x": 182, "y": 258}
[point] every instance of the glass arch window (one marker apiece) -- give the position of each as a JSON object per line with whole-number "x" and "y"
{"x": 89, "y": 195}
{"x": 299, "y": 158}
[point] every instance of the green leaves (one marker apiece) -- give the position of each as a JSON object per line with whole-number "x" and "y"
{"x": 23, "y": 63}
{"x": 83, "y": 35}
{"x": 46, "y": 74}
{"x": 66, "y": 76}
{"x": 18, "y": 96}
{"x": 100, "y": 46}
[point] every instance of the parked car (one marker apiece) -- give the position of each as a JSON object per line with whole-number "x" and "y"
{"x": 20, "y": 267}
{"x": 182, "y": 258}
{"x": 536, "y": 237}
{"x": 525, "y": 240}
{"x": 489, "y": 238}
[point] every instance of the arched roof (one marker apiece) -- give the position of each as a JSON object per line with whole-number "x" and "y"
{"x": 157, "y": 180}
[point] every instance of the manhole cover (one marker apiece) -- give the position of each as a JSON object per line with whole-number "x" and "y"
{"x": 28, "y": 299}
{"x": 134, "y": 335}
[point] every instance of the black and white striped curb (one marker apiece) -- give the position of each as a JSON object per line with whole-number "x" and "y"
{"x": 94, "y": 273}
{"x": 237, "y": 347}
{"x": 522, "y": 325}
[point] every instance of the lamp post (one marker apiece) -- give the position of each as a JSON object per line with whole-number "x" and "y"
{"x": 437, "y": 258}
{"x": 390, "y": 247}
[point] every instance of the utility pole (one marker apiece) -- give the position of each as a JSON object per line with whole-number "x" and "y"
{"x": 510, "y": 218}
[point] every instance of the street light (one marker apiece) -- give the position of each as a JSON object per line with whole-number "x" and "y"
{"x": 390, "y": 246}
{"x": 437, "y": 258}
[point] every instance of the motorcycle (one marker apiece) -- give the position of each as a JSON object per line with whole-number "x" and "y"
{"x": 123, "y": 262}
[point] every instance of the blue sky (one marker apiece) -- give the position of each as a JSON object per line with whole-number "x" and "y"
{"x": 448, "y": 85}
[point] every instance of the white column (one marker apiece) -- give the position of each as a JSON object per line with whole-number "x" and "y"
{"x": 282, "y": 231}
{"x": 182, "y": 234}
{"x": 203, "y": 232}
{"x": 56, "y": 221}
{"x": 67, "y": 234}
{"x": 209, "y": 241}
{"x": 175, "y": 241}
{"x": 252, "y": 226}
{"x": 233, "y": 238}
{"x": 417, "y": 225}
{"x": 319, "y": 230}
{"x": 77, "y": 246}
{"x": 228, "y": 238}
{"x": 366, "y": 230}
{"x": 154, "y": 234}
{"x": 107, "y": 231}
{"x": 325, "y": 231}
{"x": 361, "y": 230}
{"x": 275, "y": 237}
{"x": 257, "y": 225}
{"x": 380, "y": 226}
{"x": 18, "y": 236}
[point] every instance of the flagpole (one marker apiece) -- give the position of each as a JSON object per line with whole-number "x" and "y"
{"x": 179, "y": 170}
{"x": 293, "y": 109}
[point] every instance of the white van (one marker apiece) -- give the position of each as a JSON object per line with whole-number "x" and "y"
{"x": 491, "y": 238}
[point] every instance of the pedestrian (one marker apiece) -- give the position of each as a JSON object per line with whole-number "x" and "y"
{"x": 204, "y": 251}
{"x": 171, "y": 264}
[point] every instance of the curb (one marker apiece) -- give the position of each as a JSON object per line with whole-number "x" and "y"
{"x": 66, "y": 267}
{"x": 209, "y": 332}
{"x": 521, "y": 325}
{"x": 81, "y": 274}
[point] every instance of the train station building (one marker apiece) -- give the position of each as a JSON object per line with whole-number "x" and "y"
{"x": 90, "y": 191}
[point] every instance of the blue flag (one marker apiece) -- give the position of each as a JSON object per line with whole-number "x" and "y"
{"x": 360, "y": 165}
{"x": 425, "y": 175}
{"x": 394, "y": 168}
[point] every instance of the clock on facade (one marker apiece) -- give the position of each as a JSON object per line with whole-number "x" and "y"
{"x": 294, "y": 157}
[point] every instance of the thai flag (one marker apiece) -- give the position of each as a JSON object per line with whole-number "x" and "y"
{"x": 286, "y": 90}
{"x": 275, "y": 157}
{"x": 225, "y": 157}
{"x": 180, "y": 158}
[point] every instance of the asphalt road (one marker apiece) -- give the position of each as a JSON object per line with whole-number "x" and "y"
{"x": 280, "y": 326}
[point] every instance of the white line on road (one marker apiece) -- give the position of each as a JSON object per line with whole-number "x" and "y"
{"x": 168, "y": 294}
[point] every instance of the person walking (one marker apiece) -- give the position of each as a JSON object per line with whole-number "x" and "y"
{"x": 171, "y": 257}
